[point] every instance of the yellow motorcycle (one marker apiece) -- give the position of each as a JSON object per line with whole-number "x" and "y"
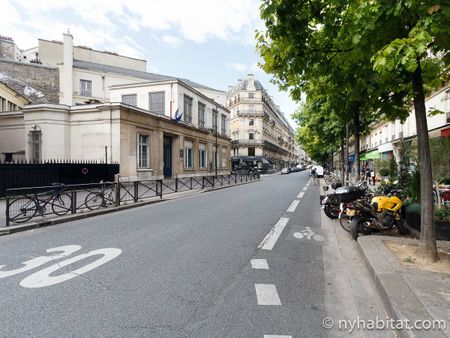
{"x": 382, "y": 214}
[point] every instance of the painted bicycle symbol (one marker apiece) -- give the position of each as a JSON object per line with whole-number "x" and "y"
{"x": 308, "y": 234}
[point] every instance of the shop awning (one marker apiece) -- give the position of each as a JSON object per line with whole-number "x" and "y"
{"x": 373, "y": 155}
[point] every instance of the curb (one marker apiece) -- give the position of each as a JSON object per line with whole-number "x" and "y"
{"x": 29, "y": 226}
{"x": 230, "y": 186}
{"x": 399, "y": 300}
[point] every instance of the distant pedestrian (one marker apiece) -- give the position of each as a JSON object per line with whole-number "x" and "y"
{"x": 372, "y": 176}
{"x": 367, "y": 174}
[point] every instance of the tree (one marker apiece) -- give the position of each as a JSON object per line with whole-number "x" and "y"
{"x": 410, "y": 43}
{"x": 389, "y": 46}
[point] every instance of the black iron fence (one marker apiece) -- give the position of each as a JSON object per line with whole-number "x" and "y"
{"x": 35, "y": 174}
{"x": 25, "y": 204}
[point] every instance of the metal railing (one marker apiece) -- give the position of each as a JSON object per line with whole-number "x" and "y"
{"x": 25, "y": 204}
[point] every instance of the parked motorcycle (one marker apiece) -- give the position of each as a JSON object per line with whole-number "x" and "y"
{"x": 331, "y": 204}
{"x": 381, "y": 214}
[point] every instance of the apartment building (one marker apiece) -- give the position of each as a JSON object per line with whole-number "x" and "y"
{"x": 259, "y": 131}
{"x": 385, "y": 137}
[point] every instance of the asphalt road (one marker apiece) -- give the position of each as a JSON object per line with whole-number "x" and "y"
{"x": 183, "y": 269}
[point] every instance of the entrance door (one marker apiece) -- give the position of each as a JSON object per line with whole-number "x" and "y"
{"x": 167, "y": 156}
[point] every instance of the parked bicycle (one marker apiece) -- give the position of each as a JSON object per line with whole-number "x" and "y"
{"x": 96, "y": 199}
{"x": 24, "y": 208}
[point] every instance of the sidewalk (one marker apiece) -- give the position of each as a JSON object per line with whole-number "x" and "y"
{"x": 407, "y": 293}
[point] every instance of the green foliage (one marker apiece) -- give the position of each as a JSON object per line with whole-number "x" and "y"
{"x": 403, "y": 168}
{"x": 440, "y": 157}
{"x": 384, "y": 172}
{"x": 442, "y": 213}
{"x": 356, "y": 57}
{"x": 445, "y": 180}
{"x": 413, "y": 188}
{"x": 393, "y": 172}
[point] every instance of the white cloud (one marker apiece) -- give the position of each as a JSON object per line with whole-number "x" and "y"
{"x": 103, "y": 20}
{"x": 239, "y": 67}
{"x": 171, "y": 40}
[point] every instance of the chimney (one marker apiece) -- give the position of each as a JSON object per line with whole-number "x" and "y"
{"x": 67, "y": 75}
{"x": 250, "y": 76}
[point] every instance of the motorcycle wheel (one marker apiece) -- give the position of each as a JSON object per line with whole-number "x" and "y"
{"x": 345, "y": 222}
{"x": 332, "y": 211}
{"x": 401, "y": 227}
{"x": 357, "y": 227}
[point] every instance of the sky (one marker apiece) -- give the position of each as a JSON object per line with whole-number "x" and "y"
{"x": 208, "y": 41}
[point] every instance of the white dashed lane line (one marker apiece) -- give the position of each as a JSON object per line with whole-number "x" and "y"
{"x": 267, "y": 294}
{"x": 259, "y": 264}
{"x": 301, "y": 194}
{"x": 271, "y": 238}
{"x": 293, "y": 206}
{"x": 305, "y": 188}
{"x": 276, "y": 336}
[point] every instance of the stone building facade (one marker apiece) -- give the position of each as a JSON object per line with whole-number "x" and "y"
{"x": 82, "y": 108}
{"x": 258, "y": 129}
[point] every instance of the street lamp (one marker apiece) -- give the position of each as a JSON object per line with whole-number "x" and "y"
{"x": 215, "y": 154}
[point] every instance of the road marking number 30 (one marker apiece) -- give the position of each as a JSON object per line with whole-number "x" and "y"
{"x": 42, "y": 277}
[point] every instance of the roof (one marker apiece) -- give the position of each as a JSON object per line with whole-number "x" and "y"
{"x": 25, "y": 90}
{"x": 137, "y": 74}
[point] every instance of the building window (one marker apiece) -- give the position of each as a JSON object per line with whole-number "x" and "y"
{"x": 8, "y": 157}
{"x": 143, "y": 151}
{"x": 157, "y": 102}
{"x": 251, "y": 122}
{"x": 251, "y": 95}
{"x": 251, "y": 136}
{"x": 85, "y": 88}
{"x": 224, "y": 157}
{"x": 188, "y": 155}
{"x": 202, "y": 155}
{"x": 201, "y": 115}
{"x": 130, "y": 99}
{"x": 187, "y": 109}
{"x": 214, "y": 119}
{"x": 223, "y": 127}
{"x": 251, "y": 151}
{"x": 448, "y": 117}
{"x": 35, "y": 141}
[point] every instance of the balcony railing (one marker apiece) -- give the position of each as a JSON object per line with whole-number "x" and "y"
{"x": 247, "y": 142}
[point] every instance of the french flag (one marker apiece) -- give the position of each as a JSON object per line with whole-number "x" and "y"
{"x": 178, "y": 115}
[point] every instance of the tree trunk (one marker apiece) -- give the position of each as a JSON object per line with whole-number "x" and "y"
{"x": 342, "y": 162}
{"x": 427, "y": 246}
{"x": 356, "y": 131}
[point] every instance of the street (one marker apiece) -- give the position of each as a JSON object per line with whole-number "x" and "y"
{"x": 210, "y": 265}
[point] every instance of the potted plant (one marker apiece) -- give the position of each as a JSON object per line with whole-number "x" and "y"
{"x": 442, "y": 222}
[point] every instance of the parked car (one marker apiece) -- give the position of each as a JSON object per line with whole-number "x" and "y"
{"x": 285, "y": 171}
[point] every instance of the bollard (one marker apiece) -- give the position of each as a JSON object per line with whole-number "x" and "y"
{"x": 136, "y": 191}
{"x": 73, "y": 197}
{"x": 7, "y": 210}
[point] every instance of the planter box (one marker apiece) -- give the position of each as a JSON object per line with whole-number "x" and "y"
{"x": 442, "y": 228}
